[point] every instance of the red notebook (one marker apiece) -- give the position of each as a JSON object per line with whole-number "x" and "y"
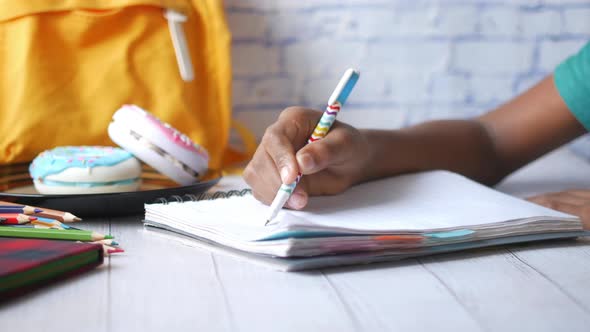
{"x": 26, "y": 264}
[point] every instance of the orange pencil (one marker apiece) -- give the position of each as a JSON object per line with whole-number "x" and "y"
{"x": 16, "y": 219}
{"x": 399, "y": 237}
{"x": 58, "y": 215}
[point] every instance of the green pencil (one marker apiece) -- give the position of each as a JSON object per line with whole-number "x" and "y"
{"x": 55, "y": 234}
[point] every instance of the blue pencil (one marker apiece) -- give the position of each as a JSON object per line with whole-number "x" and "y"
{"x": 55, "y": 222}
{"x": 19, "y": 209}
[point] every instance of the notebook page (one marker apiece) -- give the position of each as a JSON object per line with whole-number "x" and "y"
{"x": 419, "y": 202}
{"x": 235, "y": 218}
{"x": 409, "y": 203}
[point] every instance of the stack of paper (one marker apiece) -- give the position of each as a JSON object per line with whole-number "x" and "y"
{"x": 393, "y": 218}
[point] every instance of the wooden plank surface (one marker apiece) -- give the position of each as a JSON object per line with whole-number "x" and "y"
{"x": 503, "y": 293}
{"x": 399, "y": 296}
{"x": 564, "y": 264}
{"x": 160, "y": 284}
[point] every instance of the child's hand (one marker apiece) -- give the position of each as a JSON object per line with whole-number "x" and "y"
{"x": 576, "y": 202}
{"x": 329, "y": 165}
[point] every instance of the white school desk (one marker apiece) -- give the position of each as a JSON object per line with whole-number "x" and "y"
{"x": 163, "y": 285}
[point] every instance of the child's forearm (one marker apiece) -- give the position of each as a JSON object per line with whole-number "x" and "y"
{"x": 485, "y": 149}
{"x": 461, "y": 146}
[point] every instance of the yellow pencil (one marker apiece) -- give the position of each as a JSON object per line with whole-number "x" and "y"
{"x": 46, "y": 224}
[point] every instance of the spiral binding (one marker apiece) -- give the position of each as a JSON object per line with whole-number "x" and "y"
{"x": 202, "y": 196}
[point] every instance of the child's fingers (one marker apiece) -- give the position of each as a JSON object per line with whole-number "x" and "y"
{"x": 566, "y": 197}
{"x": 582, "y": 193}
{"x": 332, "y": 149}
{"x": 283, "y": 138}
{"x": 280, "y": 149}
{"x": 262, "y": 177}
{"x": 298, "y": 199}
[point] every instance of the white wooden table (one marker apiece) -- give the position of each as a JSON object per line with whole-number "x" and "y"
{"x": 163, "y": 285}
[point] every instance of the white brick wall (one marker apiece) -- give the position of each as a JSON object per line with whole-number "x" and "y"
{"x": 552, "y": 52}
{"x": 421, "y": 59}
{"x": 576, "y": 21}
{"x": 493, "y": 58}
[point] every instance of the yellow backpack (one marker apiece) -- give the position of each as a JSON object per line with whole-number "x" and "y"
{"x": 67, "y": 65}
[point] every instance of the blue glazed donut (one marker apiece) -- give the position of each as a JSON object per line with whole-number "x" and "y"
{"x": 85, "y": 170}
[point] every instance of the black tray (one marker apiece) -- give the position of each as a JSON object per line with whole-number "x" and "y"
{"x": 17, "y": 187}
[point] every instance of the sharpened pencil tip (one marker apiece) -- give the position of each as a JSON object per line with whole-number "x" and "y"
{"x": 77, "y": 219}
{"x": 266, "y": 223}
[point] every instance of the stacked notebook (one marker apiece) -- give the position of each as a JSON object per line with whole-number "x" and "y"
{"x": 406, "y": 216}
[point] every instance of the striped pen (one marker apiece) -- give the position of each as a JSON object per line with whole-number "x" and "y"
{"x": 335, "y": 102}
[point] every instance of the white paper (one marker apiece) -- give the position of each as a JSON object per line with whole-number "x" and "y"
{"x": 421, "y": 202}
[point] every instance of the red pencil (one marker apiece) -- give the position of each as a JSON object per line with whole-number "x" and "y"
{"x": 114, "y": 251}
{"x": 16, "y": 219}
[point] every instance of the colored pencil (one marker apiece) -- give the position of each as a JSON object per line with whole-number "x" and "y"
{"x": 48, "y": 213}
{"x": 39, "y": 226}
{"x": 107, "y": 242}
{"x": 29, "y": 225}
{"x": 56, "y": 234}
{"x": 107, "y": 249}
{"x": 16, "y": 218}
{"x": 47, "y": 224}
{"x": 114, "y": 251}
{"x": 58, "y": 215}
{"x": 24, "y": 209}
{"x": 52, "y": 222}
{"x": 111, "y": 250}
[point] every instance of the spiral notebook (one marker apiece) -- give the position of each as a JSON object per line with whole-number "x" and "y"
{"x": 404, "y": 216}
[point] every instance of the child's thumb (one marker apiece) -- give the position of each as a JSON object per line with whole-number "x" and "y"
{"x": 317, "y": 155}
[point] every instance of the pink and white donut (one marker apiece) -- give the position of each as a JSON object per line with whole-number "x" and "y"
{"x": 158, "y": 144}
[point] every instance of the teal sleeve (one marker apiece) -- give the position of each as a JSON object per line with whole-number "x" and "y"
{"x": 572, "y": 79}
